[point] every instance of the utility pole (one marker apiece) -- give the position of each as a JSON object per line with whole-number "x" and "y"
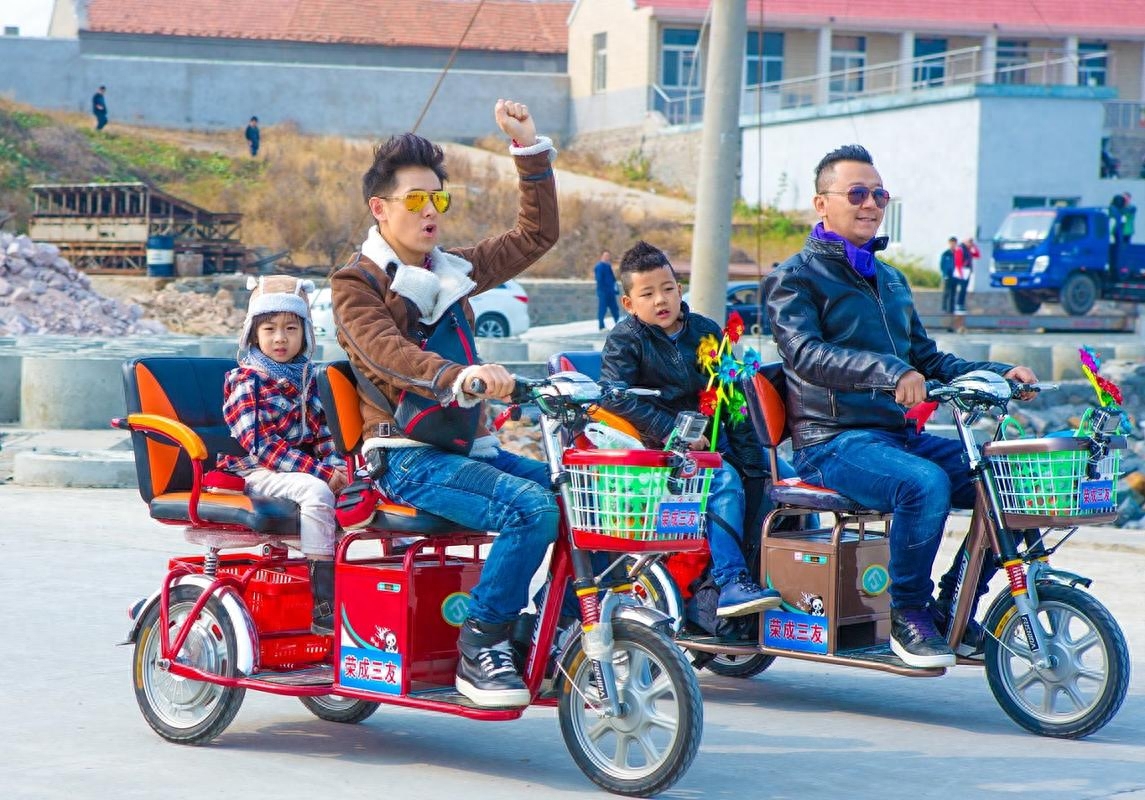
{"x": 719, "y": 159}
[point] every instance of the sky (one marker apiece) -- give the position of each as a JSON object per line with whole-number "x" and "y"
{"x": 30, "y": 16}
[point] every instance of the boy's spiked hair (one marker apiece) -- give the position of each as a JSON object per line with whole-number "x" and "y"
{"x": 642, "y": 257}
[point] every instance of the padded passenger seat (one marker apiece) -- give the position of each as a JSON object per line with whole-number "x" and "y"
{"x": 190, "y": 391}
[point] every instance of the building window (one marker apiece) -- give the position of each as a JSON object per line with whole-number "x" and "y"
{"x": 848, "y": 60}
{"x": 1010, "y": 65}
{"x": 1041, "y": 201}
{"x": 679, "y": 64}
{"x": 599, "y": 62}
{"x": 764, "y": 62}
{"x": 930, "y": 62}
{"x": 1092, "y": 62}
{"x": 892, "y": 221}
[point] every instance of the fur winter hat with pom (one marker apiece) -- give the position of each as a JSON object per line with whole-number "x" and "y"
{"x": 273, "y": 294}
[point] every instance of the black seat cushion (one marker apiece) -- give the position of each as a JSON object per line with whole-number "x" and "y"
{"x": 268, "y": 515}
{"x": 794, "y": 492}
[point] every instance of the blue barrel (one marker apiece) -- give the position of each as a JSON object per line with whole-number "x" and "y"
{"x": 161, "y": 256}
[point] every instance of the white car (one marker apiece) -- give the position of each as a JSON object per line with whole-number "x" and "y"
{"x": 502, "y": 311}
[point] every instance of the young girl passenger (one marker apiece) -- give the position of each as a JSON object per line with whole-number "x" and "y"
{"x": 272, "y": 408}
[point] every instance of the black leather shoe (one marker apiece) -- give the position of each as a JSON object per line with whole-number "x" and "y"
{"x": 322, "y": 591}
{"x": 916, "y": 641}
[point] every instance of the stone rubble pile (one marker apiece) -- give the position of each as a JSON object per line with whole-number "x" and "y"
{"x": 40, "y": 292}
{"x": 194, "y": 310}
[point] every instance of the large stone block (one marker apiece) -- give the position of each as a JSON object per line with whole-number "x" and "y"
{"x": 60, "y": 392}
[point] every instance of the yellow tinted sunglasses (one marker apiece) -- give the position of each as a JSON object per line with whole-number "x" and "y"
{"x": 415, "y": 201}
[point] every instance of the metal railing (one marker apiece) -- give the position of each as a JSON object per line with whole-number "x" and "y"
{"x": 968, "y": 65}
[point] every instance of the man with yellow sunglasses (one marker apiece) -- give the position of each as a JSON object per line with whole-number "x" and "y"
{"x": 403, "y": 317}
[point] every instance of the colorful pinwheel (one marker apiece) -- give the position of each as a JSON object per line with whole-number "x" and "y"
{"x": 1108, "y": 392}
{"x": 724, "y": 373}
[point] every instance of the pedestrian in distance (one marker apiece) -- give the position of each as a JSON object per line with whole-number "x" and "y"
{"x": 99, "y": 108}
{"x": 253, "y": 136}
{"x": 964, "y": 257}
{"x": 606, "y": 290}
{"x": 946, "y": 268}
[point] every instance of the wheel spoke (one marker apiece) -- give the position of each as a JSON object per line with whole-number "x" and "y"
{"x": 653, "y": 754}
{"x": 1070, "y": 689}
{"x": 1028, "y": 679}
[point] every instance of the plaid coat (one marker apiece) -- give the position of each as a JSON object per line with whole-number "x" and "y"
{"x": 265, "y": 416}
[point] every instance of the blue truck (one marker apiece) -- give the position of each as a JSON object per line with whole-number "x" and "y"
{"x": 1065, "y": 255}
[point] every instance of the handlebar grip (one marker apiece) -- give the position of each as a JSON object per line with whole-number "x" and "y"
{"x": 476, "y": 386}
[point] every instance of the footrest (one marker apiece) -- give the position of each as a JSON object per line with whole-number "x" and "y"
{"x": 311, "y": 676}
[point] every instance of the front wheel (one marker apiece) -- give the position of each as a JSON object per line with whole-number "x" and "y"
{"x": 1088, "y": 676}
{"x": 1025, "y": 302}
{"x": 652, "y": 743}
{"x": 182, "y": 710}
{"x": 332, "y": 708}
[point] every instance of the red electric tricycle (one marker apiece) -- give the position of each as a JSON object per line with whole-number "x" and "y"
{"x": 237, "y": 617}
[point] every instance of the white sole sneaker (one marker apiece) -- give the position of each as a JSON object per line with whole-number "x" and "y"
{"x": 922, "y": 662}
{"x": 492, "y": 698}
{"x": 750, "y": 607}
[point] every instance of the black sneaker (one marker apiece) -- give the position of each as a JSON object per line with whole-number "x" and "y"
{"x": 485, "y": 672}
{"x": 973, "y": 643}
{"x": 916, "y": 641}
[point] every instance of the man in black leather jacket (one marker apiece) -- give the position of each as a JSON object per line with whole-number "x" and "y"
{"x": 856, "y": 356}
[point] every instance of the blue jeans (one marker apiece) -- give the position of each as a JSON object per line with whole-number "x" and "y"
{"x": 725, "y": 525}
{"x": 508, "y": 494}
{"x": 917, "y": 476}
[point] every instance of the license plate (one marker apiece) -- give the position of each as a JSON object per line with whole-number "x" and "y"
{"x": 1011, "y": 281}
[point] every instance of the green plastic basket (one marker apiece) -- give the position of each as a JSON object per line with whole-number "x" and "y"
{"x": 624, "y": 501}
{"x": 1046, "y": 476}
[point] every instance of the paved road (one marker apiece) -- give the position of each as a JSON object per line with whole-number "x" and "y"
{"x": 72, "y": 560}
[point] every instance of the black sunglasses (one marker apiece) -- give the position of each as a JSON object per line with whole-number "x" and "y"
{"x": 857, "y": 195}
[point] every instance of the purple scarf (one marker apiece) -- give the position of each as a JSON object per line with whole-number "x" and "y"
{"x": 861, "y": 259}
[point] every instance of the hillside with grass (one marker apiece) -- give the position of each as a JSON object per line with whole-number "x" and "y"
{"x": 302, "y": 193}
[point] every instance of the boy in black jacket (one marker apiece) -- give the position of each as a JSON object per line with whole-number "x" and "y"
{"x": 655, "y": 348}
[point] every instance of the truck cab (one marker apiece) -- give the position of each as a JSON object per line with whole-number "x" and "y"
{"x": 1065, "y": 255}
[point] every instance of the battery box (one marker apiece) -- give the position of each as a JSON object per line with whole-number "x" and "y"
{"x": 835, "y": 595}
{"x": 398, "y": 627}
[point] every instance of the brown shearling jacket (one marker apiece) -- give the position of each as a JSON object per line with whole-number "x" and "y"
{"x": 374, "y": 322}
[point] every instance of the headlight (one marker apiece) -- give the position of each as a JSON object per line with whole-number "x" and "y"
{"x": 1041, "y": 264}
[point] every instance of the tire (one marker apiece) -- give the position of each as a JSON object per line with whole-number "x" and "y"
{"x": 735, "y": 666}
{"x": 181, "y": 710}
{"x": 333, "y": 708}
{"x": 491, "y": 326}
{"x": 1025, "y": 302}
{"x": 1089, "y": 678}
{"x": 652, "y": 745}
{"x": 655, "y": 588}
{"x": 1079, "y": 293}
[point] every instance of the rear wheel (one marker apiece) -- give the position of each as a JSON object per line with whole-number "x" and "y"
{"x": 1088, "y": 676}
{"x": 651, "y": 744}
{"x": 332, "y": 708}
{"x": 1025, "y": 302}
{"x": 1079, "y": 293}
{"x": 491, "y": 326}
{"x": 180, "y": 709}
{"x": 737, "y": 666}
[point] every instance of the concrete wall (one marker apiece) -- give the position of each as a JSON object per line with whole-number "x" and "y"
{"x": 183, "y": 91}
